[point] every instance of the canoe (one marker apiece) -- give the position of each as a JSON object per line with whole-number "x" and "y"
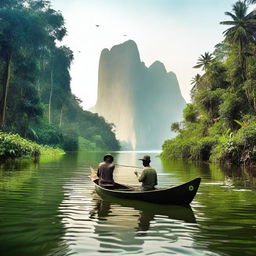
{"x": 177, "y": 195}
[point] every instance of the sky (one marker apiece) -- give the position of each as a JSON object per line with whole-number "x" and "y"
{"x": 175, "y": 32}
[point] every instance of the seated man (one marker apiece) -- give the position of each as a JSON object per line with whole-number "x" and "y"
{"x": 148, "y": 176}
{"x": 105, "y": 171}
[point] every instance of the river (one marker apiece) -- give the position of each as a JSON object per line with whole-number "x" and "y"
{"x": 50, "y": 208}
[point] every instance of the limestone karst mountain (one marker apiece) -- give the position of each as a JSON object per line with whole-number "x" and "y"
{"x": 141, "y": 101}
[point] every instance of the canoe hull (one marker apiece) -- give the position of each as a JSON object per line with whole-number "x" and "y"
{"x": 179, "y": 195}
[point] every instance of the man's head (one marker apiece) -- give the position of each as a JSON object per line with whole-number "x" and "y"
{"x": 108, "y": 158}
{"x": 145, "y": 160}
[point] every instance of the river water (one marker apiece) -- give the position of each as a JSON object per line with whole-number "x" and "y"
{"x": 50, "y": 208}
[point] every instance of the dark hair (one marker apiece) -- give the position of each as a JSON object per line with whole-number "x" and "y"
{"x": 109, "y": 158}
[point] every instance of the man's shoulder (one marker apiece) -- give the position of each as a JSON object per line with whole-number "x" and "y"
{"x": 149, "y": 169}
{"x": 103, "y": 164}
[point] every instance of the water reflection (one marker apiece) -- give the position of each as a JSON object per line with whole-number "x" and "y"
{"x": 147, "y": 211}
{"x": 121, "y": 224}
{"x": 29, "y": 196}
{"x": 49, "y": 208}
{"x": 240, "y": 176}
{"x": 14, "y": 173}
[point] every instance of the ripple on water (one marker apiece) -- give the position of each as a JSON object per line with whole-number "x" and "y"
{"x": 52, "y": 210}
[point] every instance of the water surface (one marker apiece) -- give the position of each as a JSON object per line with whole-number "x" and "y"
{"x": 50, "y": 208}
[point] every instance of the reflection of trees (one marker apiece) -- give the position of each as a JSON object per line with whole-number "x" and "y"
{"x": 30, "y": 199}
{"x": 14, "y": 173}
{"x": 231, "y": 175}
{"x": 226, "y": 222}
{"x": 226, "y": 213}
{"x": 240, "y": 176}
{"x": 186, "y": 170}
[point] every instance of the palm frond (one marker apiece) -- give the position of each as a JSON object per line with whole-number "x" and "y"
{"x": 234, "y": 17}
{"x": 198, "y": 66}
{"x": 230, "y": 23}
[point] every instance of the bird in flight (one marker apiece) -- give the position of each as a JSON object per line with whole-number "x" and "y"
{"x": 97, "y": 25}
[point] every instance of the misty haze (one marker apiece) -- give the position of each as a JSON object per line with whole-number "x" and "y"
{"x": 141, "y": 102}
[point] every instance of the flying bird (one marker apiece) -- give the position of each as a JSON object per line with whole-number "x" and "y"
{"x": 97, "y": 25}
{"x": 124, "y": 35}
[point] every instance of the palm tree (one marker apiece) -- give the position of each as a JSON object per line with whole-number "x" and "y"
{"x": 242, "y": 30}
{"x": 195, "y": 81}
{"x": 204, "y": 60}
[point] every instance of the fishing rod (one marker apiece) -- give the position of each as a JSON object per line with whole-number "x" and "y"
{"x": 129, "y": 166}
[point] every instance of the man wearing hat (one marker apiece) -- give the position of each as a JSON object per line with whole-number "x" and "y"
{"x": 105, "y": 171}
{"x": 148, "y": 176}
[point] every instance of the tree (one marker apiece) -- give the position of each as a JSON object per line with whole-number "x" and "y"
{"x": 195, "y": 81}
{"x": 204, "y": 60}
{"x": 21, "y": 36}
{"x": 11, "y": 3}
{"x": 175, "y": 127}
{"x": 35, "y": 80}
{"x": 241, "y": 32}
{"x": 60, "y": 80}
{"x": 221, "y": 51}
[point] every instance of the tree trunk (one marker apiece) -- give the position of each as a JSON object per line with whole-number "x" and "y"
{"x": 41, "y": 69}
{"x": 50, "y": 99}
{"x": 61, "y": 115}
{"x": 242, "y": 60}
{"x": 5, "y": 84}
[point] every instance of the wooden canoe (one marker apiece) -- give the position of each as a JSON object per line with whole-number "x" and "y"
{"x": 178, "y": 195}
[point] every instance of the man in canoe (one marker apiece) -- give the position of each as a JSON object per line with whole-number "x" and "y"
{"x": 148, "y": 176}
{"x": 105, "y": 171}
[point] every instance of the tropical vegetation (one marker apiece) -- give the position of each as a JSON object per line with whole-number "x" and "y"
{"x": 14, "y": 146}
{"x": 220, "y": 122}
{"x": 36, "y": 101}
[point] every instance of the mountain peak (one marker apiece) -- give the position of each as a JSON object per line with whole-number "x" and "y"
{"x": 129, "y": 43}
{"x": 158, "y": 66}
{"x": 127, "y": 48}
{"x": 140, "y": 101}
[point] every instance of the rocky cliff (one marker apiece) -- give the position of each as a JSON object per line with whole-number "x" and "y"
{"x": 141, "y": 101}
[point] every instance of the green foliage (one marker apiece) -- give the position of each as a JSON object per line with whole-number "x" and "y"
{"x": 246, "y": 137}
{"x": 49, "y": 135}
{"x": 188, "y": 149}
{"x": 70, "y": 142}
{"x": 220, "y": 123}
{"x": 190, "y": 144}
{"x": 204, "y": 61}
{"x": 175, "y": 127}
{"x": 14, "y": 146}
{"x": 86, "y": 145}
{"x": 35, "y": 95}
{"x": 190, "y": 114}
{"x": 230, "y": 109}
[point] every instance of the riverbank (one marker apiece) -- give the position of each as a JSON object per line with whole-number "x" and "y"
{"x": 14, "y": 146}
{"x": 199, "y": 143}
